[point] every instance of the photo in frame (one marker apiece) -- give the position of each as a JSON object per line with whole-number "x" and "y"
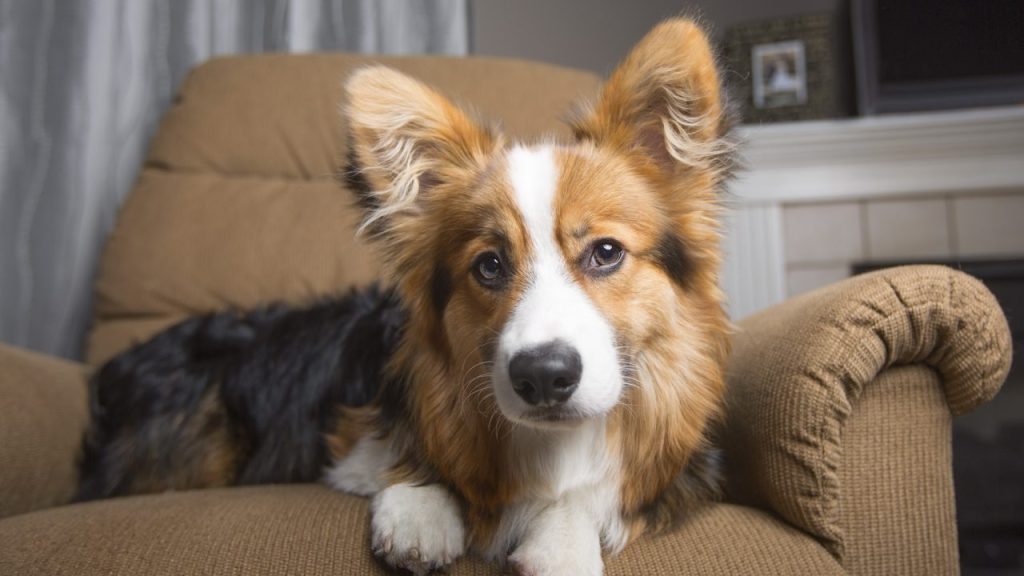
{"x": 790, "y": 69}
{"x": 779, "y": 74}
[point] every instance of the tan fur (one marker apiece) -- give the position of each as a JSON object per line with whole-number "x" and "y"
{"x": 673, "y": 337}
{"x": 668, "y": 85}
{"x": 648, "y": 163}
{"x": 454, "y": 423}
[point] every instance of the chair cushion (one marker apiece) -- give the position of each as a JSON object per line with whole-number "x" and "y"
{"x": 308, "y": 529}
{"x": 238, "y": 203}
{"x": 44, "y": 409}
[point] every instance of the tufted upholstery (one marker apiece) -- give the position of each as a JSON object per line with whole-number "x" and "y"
{"x": 238, "y": 203}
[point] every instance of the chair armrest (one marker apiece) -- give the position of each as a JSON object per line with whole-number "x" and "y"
{"x": 43, "y": 415}
{"x": 799, "y": 369}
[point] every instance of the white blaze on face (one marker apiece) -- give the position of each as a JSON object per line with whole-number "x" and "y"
{"x": 553, "y": 307}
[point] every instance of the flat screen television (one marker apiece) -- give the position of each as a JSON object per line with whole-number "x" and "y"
{"x": 915, "y": 55}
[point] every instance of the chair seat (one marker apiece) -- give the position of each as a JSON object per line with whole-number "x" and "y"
{"x": 309, "y": 529}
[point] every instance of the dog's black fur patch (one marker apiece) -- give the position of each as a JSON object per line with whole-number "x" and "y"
{"x": 671, "y": 255}
{"x": 440, "y": 288}
{"x": 268, "y": 384}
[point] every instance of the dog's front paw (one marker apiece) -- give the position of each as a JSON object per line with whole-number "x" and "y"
{"x": 557, "y": 557}
{"x": 418, "y": 528}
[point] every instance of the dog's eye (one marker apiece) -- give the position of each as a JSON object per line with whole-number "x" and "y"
{"x": 605, "y": 256}
{"x": 489, "y": 270}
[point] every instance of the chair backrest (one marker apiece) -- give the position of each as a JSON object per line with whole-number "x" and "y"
{"x": 237, "y": 204}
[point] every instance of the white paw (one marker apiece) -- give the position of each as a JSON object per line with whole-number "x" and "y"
{"x": 530, "y": 561}
{"x": 558, "y": 552}
{"x": 418, "y": 528}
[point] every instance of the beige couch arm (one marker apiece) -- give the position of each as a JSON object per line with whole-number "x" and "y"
{"x": 800, "y": 370}
{"x": 43, "y": 415}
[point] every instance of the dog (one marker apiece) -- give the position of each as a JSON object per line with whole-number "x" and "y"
{"x": 535, "y": 378}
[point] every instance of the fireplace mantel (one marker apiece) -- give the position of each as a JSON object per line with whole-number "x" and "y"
{"x": 904, "y": 154}
{"x": 965, "y": 152}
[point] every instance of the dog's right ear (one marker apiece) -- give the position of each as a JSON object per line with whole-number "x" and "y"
{"x": 663, "y": 102}
{"x": 407, "y": 139}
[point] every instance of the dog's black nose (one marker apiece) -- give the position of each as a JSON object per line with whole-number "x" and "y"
{"x": 546, "y": 375}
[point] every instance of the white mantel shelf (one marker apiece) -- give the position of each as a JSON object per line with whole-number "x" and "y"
{"x": 966, "y": 151}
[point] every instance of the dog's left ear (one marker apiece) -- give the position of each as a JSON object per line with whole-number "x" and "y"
{"x": 664, "y": 101}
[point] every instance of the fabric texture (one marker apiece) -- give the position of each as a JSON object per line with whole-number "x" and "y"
{"x": 895, "y": 473}
{"x": 239, "y": 203}
{"x": 311, "y": 530}
{"x": 797, "y": 369}
{"x": 43, "y": 413}
{"x": 82, "y": 87}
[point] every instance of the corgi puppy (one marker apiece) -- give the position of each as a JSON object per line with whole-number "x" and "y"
{"x": 536, "y": 380}
{"x": 565, "y": 342}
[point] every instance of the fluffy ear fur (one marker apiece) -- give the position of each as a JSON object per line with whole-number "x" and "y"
{"x": 406, "y": 140}
{"x": 663, "y": 108}
{"x": 663, "y": 101}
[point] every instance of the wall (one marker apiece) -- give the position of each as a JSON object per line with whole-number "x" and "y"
{"x": 921, "y": 228}
{"x": 595, "y": 34}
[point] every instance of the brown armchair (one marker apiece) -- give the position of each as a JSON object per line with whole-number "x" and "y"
{"x": 838, "y": 433}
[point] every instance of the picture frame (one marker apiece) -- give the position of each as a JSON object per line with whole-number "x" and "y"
{"x": 779, "y": 74}
{"x": 790, "y": 69}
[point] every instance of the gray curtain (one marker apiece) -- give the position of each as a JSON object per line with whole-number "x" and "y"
{"x": 82, "y": 86}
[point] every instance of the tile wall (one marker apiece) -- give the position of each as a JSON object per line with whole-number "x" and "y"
{"x": 822, "y": 240}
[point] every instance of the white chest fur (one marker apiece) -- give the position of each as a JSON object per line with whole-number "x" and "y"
{"x": 569, "y": 470}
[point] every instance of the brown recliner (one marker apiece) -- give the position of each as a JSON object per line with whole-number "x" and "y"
{"x": 838, "y": 433}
